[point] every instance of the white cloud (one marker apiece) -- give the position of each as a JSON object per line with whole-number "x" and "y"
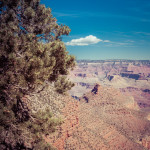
{"x": 84, "y": 41}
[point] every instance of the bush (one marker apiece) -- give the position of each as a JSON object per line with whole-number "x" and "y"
{"x": 63, "y": 85}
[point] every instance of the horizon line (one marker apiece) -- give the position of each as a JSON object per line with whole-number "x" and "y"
{"x": 113, "y": 59}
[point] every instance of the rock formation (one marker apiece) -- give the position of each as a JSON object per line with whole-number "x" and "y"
{"x": 96, "y": 89}
{"x": 104, "y": 122}
{"x": 130, "y": 77}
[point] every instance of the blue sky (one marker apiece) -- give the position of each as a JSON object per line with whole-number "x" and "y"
{"x": 110, "y": 29}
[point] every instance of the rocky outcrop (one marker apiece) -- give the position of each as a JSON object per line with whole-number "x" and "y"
{"x": 104, "y": 122}
{"x": 109, "y": 77}
{"x": 96, "y": 89}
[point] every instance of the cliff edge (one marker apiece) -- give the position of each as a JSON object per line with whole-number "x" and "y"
{"x": 101, "y": 120}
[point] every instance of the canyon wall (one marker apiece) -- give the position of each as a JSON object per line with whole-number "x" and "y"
{"x": 105, "y": 113}
{"x": 130, "y": 77}
{"x": 103, "y": 118}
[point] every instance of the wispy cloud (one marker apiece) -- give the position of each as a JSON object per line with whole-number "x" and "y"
{"x": 66, "y": 14}
{"x": 81, "y": 14}
{"x": 106, "y": 41}
{"x": 127, "y": 43}
{"x": 143, "y": 33}
{"x": 88, "y": 40}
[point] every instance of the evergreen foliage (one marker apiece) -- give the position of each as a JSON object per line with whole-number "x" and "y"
{"x": 27, "y": 134}
{"x": 63, "y": 85}
{"x": 31, "y": 54}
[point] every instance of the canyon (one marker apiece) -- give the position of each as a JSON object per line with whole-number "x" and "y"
{"x": 131, "y": 77}
{"x": 107, "y": 109}
{"x": 103, "y": 119}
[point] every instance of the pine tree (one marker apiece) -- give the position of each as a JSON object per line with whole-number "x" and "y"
{"x": 63, "y": 85}
{"x": 31, "y": 54}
